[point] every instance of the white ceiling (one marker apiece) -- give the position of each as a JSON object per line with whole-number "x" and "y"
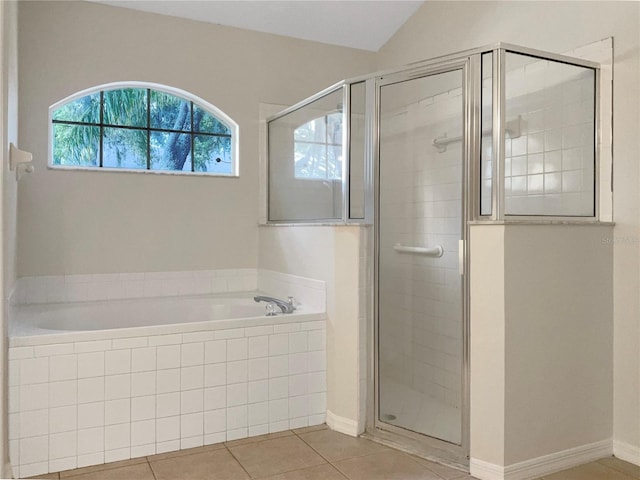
{"x": 364, "y": 24}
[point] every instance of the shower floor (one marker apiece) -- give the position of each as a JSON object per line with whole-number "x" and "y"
{"x": 418, "y": 412}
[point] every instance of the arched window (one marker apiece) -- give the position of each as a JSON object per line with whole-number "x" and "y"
{"x": 318, "y": 148}
{"x": 142, "y": 127}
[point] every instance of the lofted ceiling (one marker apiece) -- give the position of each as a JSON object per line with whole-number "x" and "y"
{"x": 363, "y": 24}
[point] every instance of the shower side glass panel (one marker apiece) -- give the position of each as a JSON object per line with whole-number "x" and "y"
{"x": 306, "y": 155}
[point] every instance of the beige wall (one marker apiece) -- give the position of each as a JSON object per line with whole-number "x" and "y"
{"x": 8, "y": 133}
{"x": 99, "y": 222}
{"x": 440, "y": 28}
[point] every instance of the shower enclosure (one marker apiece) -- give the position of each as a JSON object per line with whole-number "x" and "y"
{"x": 495, "y": 134}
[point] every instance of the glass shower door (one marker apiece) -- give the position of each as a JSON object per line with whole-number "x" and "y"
{"x": 420, "y": 290}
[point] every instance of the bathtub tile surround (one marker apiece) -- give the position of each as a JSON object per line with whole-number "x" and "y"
{"x": 75, "y": 403}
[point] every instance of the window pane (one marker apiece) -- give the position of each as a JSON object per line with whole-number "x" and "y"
{"x": 334, "y": 162}
{"x": 85, "y": 109}
{"x": 334, "y": 128}
{"x": 206, "y": 123}
{"x": 124, "y": 148}
{"x": 550, "y": 160}
{"x": 313, "y": 131}
{"x": 76, "y": 145}
{"x": 171, "y": 151}
{"x": 126, "y": 106}
{"x": 486, "y": 152}
{"x": 169, "y": 112}
{"x": 310, "y": 160}
{"x": 213, "y": 154}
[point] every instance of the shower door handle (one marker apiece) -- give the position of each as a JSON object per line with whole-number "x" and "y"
{"x": 461, "y": 257}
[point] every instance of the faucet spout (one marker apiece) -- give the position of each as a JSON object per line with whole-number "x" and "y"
{"x": 285, "y": 306}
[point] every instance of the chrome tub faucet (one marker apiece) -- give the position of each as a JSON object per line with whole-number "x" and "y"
{"x": 287, "y": 306}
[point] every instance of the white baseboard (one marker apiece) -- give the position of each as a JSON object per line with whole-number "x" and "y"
{"x": 545, "y": 465}
{"x": 342, "y": 424}
{"x": 628, "y": 453}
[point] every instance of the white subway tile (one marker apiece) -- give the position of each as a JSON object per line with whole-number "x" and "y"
{"x": 117, "y": 411}
{"x": 167, "y": 404}
{"x": 279, "y": 426}
{"x": 214, "y": 438}
{"x": 197, "y": 337}
{"x": 255, "y": 430}
{"x": 279, "y": 344}
{"x": 91, "y": 415}
{"x": 191, "y": 425}
{"x": 258, "y": 414}
{"x": 258, "y": 391}
{"x": 117, "y": 436}
{"x": 278, "y": 366}
{"x": 237, "y": 349}
{"x": 92, "y": 346}
{"x": 143, "y": 450}
{"x": 278, "y": 388}
{"x": 34, "y": 397}
{"x": 278, "y": 410}
{"x": 88, "y": 459}
{"x": 62, "y": 445}
{"x": 143, "y": 432}
{"x": 298, "y": 407}
{"x": 168, "y": 356}
{"x": 299, "y": 422}
{"x": 117, "y": 455}
{"x": 192, "y": 354}
{"x": 125, "y": 343}
{"x": 192, "y": 401}
{"x": 165, "y": 339}
{"x": 258, "y": 369}
{"x": 167, "y": 429}
{"x": 286, "y": 328}
{"x": 117, "y": 386}
{"x": 236, "y": 394}
{"x": 170, "y": 446}
{"x": 230, "y": 333}
{"x": 191, "y": 377}
{"x": 16, "y": 353}
{"x": 90, "y": 441}
{"x": 237, "y": 434}
{"x": 317, "y": 403}
{"x": 90, "y": 364}
{"x": 63, "y": 367}
{"x": 32, "y": 469}
{"x": 143, "y": 408}
{"x": 143, "y": 359}
{"x": 191, "y": 442}
{"x": 315, "y": 325}
{"x": 317, "y": 361}
{"x": 168, "y": 380}
{"x": 62, "y": 464}
{"x": 215, "y": 374}
{"x": 63, "y": 419}
{"x": 215, "y": 351}
{"x": 143, "y": 383}
{"x": 259, "y": 331}
{"x": 298, "y": 342}
{"x": 62, "y": 393}
{"x": 298, "y": 385}
{"x": 298, "y": 363}
{"x": 215, "y": 398}
{"x": 215, "y": 421}
{"x": 33, "y": 423}
{"x": 237, "y": 371}
{"x": 236, "y": 417}
{"x": 317, "y": 340}
{"x": 317, "y": 382}
{"x": 258, "y": 346}
{"x": 117, "y": 362}
{"x": 51, "y": 350}
{"x": 34, "y": 370}
{"x": 34, "y": 449}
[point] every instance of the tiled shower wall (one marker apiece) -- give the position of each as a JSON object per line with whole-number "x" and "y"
{"x": 420, "y": 202}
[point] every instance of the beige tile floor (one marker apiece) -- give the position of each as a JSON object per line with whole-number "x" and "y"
{"x": 313, "y": 453}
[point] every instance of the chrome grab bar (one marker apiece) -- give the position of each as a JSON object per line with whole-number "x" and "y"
{"x": 436, "y": 251}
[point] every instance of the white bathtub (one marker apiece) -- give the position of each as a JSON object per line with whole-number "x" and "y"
{"x": 49, "y": 323}
{"x": 104, "y": 381}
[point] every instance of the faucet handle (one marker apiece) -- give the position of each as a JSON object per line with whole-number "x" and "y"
{"x": 292, "y": 302}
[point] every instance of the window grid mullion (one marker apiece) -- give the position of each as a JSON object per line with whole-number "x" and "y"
{"x": 148, "y": 129}
{"x": 193, "y": 158}
{"x": 101, "y": 127}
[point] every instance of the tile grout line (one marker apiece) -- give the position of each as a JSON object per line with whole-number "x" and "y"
{"x": 237, "y": 461}
{"x": 321, "y": 456}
